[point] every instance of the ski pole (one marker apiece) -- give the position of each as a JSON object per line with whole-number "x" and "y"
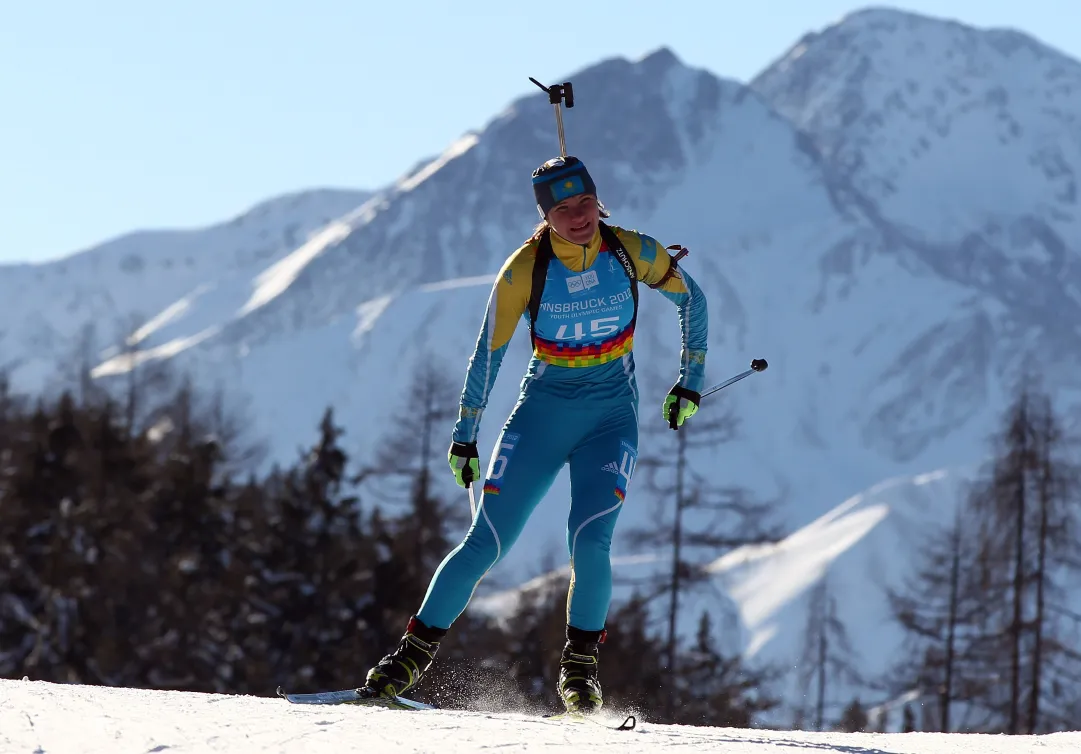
{"x": 757, "y": 365}
{"x": 557, "y": 93}
{"x": 472, "y": 502}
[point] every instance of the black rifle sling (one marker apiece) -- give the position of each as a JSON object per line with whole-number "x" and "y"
{"x": 540, "y": 275}
{"x": 615, "y": 247}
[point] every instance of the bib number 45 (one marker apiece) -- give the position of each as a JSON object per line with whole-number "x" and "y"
{"x": 598, "y": 328}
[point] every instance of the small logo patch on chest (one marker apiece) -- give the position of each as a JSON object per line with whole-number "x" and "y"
{"x": 583, "y": 282}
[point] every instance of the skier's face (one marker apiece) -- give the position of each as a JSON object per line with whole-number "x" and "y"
{"x": 576, "y": 218}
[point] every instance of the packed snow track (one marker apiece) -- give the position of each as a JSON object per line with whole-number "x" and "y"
{"x": 46, "y": 718}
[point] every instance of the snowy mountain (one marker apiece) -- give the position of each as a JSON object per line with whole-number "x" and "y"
{"x": 143, "y": 276}
{"x": 886, "y": 214}
{"x": 78, "y": 719}
{"x": 964, "y": 147}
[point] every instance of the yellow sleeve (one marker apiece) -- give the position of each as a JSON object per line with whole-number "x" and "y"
{"x": 510, "y": 296}
{"x": 652, "y": 261}
{"x": 507, "y": 303}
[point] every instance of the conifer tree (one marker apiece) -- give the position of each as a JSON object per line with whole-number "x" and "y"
{"x": 827, "y": 652}
{"x": 702, "y": 519}
{"x": 853, "y": 718}
{"x": 1028, "y": 502}
{"x": 939, "y": 609}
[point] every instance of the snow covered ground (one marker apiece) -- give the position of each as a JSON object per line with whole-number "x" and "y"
{"x": 46, "y": 718}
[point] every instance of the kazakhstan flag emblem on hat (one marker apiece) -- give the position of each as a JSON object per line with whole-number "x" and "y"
{"x": 570, "y": 187}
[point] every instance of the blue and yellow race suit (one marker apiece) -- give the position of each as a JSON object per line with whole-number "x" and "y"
{"x": 578, "y": 404}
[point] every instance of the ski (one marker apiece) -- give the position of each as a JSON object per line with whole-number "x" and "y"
{"x": 352, "y": 696}
{"x": 627, "y": 724}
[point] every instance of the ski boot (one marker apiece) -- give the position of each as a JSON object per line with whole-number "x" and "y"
{"x": 579, "y": 686}
{"x": 403, "y": 668}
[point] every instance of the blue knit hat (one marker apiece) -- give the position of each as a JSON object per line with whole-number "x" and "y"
{"x": 558, "y": 179}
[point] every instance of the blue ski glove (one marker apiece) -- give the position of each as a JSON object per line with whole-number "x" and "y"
{"x": 680, "y": 405}
{"x": 464, "y": 462}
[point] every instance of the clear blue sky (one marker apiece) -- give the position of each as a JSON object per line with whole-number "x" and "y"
{"x": 118, "y": 115}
